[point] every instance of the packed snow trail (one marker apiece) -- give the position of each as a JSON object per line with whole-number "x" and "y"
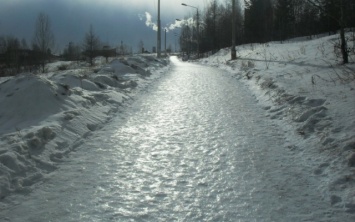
{"x": 195, "y": 147}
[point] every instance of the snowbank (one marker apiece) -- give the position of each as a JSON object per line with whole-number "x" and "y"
{"x": 303, "y": 87}
{"x": 44, "y": 117}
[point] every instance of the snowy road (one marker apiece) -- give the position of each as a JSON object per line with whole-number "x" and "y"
{"x": 195, "y": 147}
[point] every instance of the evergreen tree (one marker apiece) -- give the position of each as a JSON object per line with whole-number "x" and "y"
{"x": 284, "y": 19}
{"x": 185, "y": 39}
{"x": 211, "y": 17}
{"x": 329, "y": 24}
{"x": 308, "y": 21}
{"x": 224, "y": 27}
{"x": 259, "y": 20}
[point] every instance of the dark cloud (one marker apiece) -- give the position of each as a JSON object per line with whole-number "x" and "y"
{"x": 113, "y": 20}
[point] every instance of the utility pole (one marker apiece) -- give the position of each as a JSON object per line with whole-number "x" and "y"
{"x": 159, "y": 32}
{"x": 198, "y": 35}
{"x": 233, "y": 51}
{"x": 165, "y": 43}
{"x": 175, "y": 35}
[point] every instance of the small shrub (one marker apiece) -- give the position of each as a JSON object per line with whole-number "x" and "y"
{"x": 247, "y": 64}
{"x": 251, "y": 64}
{"x": 267, "y": 60}
{"x": 62, "y": 67}
{"x": 303, "y": 50}
{"x": 321, "y": 49}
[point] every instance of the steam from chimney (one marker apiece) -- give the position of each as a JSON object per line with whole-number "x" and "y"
{"x": 177, "y": 24}
{"x": 148, "y": 21}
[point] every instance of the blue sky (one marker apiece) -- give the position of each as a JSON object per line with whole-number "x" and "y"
{"x": 113, "y": 20}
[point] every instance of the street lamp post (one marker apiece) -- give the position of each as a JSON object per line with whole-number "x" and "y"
{"x": 198, "y": 27}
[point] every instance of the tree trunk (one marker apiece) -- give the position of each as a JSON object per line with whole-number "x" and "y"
{"x": 344, "y": 50}
{"x": 341, "y": 22}
{"x": 233, "y": 51}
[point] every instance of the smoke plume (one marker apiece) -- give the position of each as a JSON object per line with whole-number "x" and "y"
{"x": 148, "y": 21}
{"x": 177, "y": 24}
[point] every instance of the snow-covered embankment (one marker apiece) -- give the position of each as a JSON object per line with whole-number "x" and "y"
{"x": 44, "y": 117}
{"x": 303, "y": 87}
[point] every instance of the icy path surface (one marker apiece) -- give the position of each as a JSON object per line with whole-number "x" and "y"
{"x": 195, "y": 147}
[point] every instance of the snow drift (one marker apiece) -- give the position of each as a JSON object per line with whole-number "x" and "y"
{"x": 45, "y": 117}
{"x": 304, "y": 87}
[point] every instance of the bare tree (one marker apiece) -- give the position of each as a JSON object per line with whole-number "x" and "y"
{"x": 341, "y": 22}
{"x": 91, "y": 45}
{"x": 43, "y": 38}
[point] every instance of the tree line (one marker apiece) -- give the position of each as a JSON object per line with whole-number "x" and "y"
{"x": 260, "y": 21}
{"x": 17, "y": 56}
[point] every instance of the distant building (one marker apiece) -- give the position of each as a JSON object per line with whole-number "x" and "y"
{"x": 154, "y": 49}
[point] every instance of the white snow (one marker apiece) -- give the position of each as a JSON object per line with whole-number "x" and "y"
{"x": 44, "y": 117}
{"x": 304, "y": 87}
{"x": 300, "y": 84}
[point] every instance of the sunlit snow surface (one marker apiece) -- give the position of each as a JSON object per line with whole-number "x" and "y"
{"x": 195, "y": 147}
{"x": 304, "y": 102}
{"x": 302, "y": 83}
